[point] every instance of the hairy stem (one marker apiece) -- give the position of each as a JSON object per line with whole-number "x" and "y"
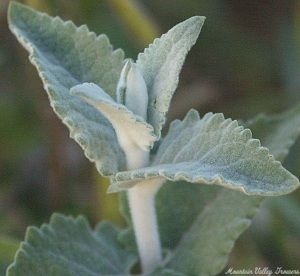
{"x": 142, "y": 207}
{"x": 141, "y": 200}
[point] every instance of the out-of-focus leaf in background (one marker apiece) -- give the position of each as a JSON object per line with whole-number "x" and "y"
{"x": 245, "y": 62}
{"x": 8, "y": 248}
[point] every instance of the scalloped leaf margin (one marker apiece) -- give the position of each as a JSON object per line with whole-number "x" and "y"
{"x": 214, "y": 151}
{"x": 161, "y": 64}
{"x": 67, "y": 246}
{"x": 65, "y": 56}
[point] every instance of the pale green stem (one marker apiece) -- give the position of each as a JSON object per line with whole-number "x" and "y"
{"x": 132, "y": 91}
{"x": 142, "y": 208}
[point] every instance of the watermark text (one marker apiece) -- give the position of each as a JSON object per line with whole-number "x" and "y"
{"x": 262, "y": 271}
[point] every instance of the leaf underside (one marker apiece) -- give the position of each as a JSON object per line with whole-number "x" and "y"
{"x": 64, "y": 56}
{"x": 214, "y": 151}
{"x": 161, "y": 64}
{"x": 67, "y": 246}
{"x": 125, "y": 123}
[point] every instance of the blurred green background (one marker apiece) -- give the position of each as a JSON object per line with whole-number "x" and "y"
{"x": 246, "y": 61}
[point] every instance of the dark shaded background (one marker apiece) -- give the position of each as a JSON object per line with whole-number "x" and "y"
{"x": 246, "y": 61}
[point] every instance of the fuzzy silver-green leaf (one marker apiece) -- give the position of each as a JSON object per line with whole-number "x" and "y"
{"x": 161, "y": 64}
{"x": 67, "y": 246}
{"x": 205, "y": 247}
{"x": 213, "y": 231}
{"x": 64, "y": 56}
{"x": 214, "y": 151}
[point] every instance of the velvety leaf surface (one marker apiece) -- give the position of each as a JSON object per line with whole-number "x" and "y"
{"x": 161, "y": 63}
{"x": 214, "y": 151}
{"x": 177, "y": 205}
{"x": 237, "y": 210}
{"x": 126, "y": 124}
{"x": 67, "y": 246}
{"x": 204, "y": 249}
{"x": 64, "y": 56}
{"x": 184, "y": 203}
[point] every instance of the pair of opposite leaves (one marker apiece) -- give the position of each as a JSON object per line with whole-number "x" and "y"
{"x": 211, "y": 150}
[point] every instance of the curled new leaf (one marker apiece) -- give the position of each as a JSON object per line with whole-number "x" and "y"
{"x": 131, "y": 129}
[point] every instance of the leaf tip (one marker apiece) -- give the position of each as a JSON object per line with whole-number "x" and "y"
{"x": 198, "y": 19}
{"x": 196, "y": 22}
{"x": 112, "y": 189}
{"x": 15, "y": 9}
{"x": 292, "y": 184}
{"x": 12, "y": 9}
{"x": 13, "y": 5}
